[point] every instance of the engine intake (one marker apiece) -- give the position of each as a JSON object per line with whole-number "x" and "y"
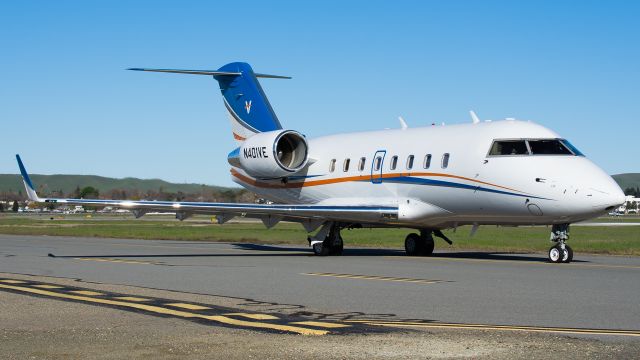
{"x": 272, "y": 154}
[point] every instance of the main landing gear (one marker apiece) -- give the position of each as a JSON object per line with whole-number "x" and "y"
{"x": 423, "y": 244}
{"x": 560, "y": 252}
{"x": 327, "y": 241}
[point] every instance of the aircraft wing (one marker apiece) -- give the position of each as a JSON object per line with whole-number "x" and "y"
{"x": 310, "y": 215}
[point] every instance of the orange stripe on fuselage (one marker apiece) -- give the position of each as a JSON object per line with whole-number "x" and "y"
{"x": 238, "y": 137}
{"x": 306, "y": 183}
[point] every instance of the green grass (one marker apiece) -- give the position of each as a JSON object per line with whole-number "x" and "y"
{"x": 618, "y": 240}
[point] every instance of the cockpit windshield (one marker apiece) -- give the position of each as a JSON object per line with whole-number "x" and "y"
{"x": 524, "y": 147}
{"x": 548, "y": 147}
{"x": 573, "y": 149}
{"x": 509, "y": 147}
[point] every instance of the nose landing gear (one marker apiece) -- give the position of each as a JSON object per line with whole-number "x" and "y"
{"x": 560, "y": 252}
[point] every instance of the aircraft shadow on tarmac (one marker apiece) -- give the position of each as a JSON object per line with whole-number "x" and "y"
{"x": 478, "y": 255}
{"x": 261, "y": 250}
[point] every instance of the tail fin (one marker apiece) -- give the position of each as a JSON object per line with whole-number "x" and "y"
{"x": 247, "y": 105}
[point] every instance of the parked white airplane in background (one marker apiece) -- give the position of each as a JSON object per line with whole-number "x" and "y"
{"x": 428, "y": 179}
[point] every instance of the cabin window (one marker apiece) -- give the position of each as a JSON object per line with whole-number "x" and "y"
{"x": 378, "y": 163}
{"x": 394, "y": 162}
{"x": 345, "y": 166}
{"x": 548, "y": 147}
{"x": 361, "y": 163}
{"x": 332, "y": 165}
{"x": 445, "y": 160}
{"x": 427, "y": 161}
{"x": 410, "y": 162}
{"x": 509, "y": 147}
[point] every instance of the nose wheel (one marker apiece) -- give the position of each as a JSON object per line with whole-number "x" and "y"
{"x": 560, "y": 252}
{"x": 559, "y": 255}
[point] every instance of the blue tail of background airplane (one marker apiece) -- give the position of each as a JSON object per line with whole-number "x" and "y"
{"x": 247, "y": 105}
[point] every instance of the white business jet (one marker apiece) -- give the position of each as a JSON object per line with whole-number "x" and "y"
{"x": 430, "y": 178}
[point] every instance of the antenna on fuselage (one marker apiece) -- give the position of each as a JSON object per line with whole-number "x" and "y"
{"x": 474, "y": 117}
{"x": 403, "y": 124}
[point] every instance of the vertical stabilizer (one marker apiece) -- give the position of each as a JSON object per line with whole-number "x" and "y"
{"x": 247, "y": 105}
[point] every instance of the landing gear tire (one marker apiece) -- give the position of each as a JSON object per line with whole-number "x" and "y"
{"x": 331, "y": 243}
{"x": 567, "y": 254}
{"x": 320, "y": 249}
{"x": 337, "y": 247}
{"x": 556, "y": 254}
{"x": 427, "y": 245}
{"x": 560, "y": 252}
{"x": 416, "y": 245}
{"x": 412, "y": 244}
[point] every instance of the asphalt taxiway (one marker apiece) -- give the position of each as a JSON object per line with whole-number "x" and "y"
{"x": 285, "y": 289}
{"x": 505, "y": 289}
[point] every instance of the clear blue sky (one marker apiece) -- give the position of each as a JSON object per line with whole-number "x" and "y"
{"x": 68, "y": 106}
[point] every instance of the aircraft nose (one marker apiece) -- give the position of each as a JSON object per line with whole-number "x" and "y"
{"x": 609, "y": 195}
{"x": 618, "y": 197}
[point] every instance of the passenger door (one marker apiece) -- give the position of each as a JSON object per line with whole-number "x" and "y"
{"x": 376, "y": 166}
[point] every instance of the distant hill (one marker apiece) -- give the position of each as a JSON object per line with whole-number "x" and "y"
{"x": 67, "y": 183}
{"x": 631, "y": 180}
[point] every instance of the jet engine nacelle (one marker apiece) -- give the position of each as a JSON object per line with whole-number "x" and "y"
{"x": 272, "y": 154}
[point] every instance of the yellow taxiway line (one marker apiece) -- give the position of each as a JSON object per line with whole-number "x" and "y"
{"x": 375, "y": 277}
{"x": 114, "y": 260}
{"x": 321, "y": 324}
{"x": 259, "y": 321}
{"x": 437, "y": 325}
{"x": 188, "y": 306}
{"x": 254, "y": 316}
{"x": 131, "y": 298}
{"x": 165, "y": 311}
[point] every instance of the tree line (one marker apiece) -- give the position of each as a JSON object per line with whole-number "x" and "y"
{"x": 635, "y": 192}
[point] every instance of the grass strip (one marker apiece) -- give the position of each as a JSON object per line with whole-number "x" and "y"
{"x": 617, "y": 240}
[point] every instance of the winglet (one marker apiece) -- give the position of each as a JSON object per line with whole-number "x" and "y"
{"x": 28, "y": 185}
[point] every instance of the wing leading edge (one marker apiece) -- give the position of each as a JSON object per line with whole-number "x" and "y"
{"x": 310, "y": 215}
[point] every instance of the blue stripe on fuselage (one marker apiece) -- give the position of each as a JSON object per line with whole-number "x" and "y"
{"x": 430, "y": 182}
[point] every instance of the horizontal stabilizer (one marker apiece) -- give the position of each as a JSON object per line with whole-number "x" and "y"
{"x": 208, "y": 72}
{"x": 272, "y": 76}
{"x": 192, "y": 72}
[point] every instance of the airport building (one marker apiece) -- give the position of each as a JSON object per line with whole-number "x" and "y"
{"x": 631, "y": 205}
